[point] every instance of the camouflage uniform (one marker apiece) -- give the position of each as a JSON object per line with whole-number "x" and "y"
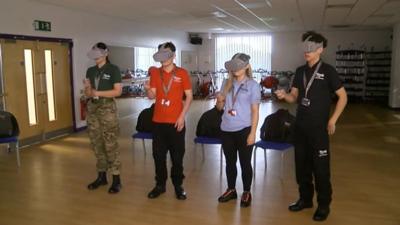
{"x": 103, "y": 129}
{"x": 102, "y": 120}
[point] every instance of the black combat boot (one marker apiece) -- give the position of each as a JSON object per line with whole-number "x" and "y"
{"x": 116, "y": 185}
{"x": 101, "y": 180}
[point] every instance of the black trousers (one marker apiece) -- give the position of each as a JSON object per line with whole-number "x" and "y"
{"x": 312, "y": 158}
{"x": 167, "y": 138}
{"x": 232, "y": 144}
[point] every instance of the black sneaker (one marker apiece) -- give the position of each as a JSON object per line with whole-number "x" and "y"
{"x": 180, "y": 193}
{"x": 300, "y": 205}
{"x": 228, "y": 195}
{"x": 157, "y": 191}
{"x": 246, "y": 199}
{"x": 321, "y": 214}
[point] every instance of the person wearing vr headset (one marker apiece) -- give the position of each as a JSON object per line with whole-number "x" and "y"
{"x": 240, "y": 95}
{"x": 312, "y": 88}
{"x": 102, "y": 85}
{"x": 168, "y": 85}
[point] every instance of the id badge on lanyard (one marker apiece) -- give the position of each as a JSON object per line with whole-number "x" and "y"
{"x": 233, "y": 111}
{"x": 306, "y": 101}
{"x": 165, "y": 101}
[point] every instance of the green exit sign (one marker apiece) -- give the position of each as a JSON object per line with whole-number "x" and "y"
{"x": 42, "y": 25}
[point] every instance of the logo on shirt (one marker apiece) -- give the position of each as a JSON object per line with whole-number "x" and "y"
{"x": 106, "y": 76}
{"x": 322, "y": 153}
{"x": 319, "y": 76}
{"x": 177, "y": 79}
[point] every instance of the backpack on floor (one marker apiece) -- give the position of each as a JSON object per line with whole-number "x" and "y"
{"x": 8, "y": 125}
{"x": 209, "y": 123}
{"x": 278, "y": 127}
{"x": 145, "y": 120}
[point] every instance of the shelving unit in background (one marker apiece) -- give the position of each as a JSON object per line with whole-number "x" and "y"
{"x": 378, "y": 76}
{"x": 351, "y": 67}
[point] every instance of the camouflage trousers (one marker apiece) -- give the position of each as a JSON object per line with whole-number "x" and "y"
{"x": 103, "y": 129}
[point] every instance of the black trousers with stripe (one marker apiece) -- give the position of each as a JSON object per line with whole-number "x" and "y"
{"x": 312, "y": 159}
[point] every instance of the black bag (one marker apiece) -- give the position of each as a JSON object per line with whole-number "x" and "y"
{"x": 209, "y": 123}
{"x": 145, "y": 120}
{"x": 8, "y": 125}
{"x": 278, "y": 127}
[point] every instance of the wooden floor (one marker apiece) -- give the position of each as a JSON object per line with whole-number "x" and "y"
{"x": 50, "y": 186}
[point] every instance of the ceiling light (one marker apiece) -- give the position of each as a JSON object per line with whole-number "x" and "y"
{"x": 217, "y": 29}
{"x": 218, "y": 14}
{"x": 268, "y": 3}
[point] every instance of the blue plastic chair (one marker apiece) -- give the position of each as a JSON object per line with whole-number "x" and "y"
{"x": 15, "y": 142}
{"x": 143, "y": 136}
{"x": 270, "y": 145}
{"x": 208, "y": 141}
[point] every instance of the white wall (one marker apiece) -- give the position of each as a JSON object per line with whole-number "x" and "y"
{"x": 394, "y": 94}
{"x": 17, "y": 16}
{"x": 123, "y": 57}
{"x": 286, "y": 47}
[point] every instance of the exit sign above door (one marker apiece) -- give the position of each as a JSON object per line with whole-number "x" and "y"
{"x": 42, "y": 25}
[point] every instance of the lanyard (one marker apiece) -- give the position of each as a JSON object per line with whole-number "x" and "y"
{"x": 308, "y": 86}
{"x": 234, "y": 96}
{"x": 97, "y": 79}
{"x": 166, "y": 89}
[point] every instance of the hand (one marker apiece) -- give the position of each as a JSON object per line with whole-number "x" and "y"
{"x": 180, "y": 123}
{"x": 281, "y": 94}
{"x": 147, "y": 85}
{"x": 86, "y": 83}
{"x": 251, "y": 139}
{"x": 331, "y": 127}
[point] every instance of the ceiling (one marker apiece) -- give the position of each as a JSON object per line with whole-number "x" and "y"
{"x": 216, "y": 16}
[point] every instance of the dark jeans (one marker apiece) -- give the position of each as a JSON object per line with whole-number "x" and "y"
{"x": 312, "y": 158}
{"x": 167, "y": 138}
{"x": 234, "y": 143}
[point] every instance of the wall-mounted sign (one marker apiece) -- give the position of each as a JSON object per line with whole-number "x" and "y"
{"x": 42, "y": 25}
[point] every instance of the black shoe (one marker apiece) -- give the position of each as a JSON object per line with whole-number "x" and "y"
{"x": 101, "y": 180}
{"x": 180, "y": 193}
{"x": 300, "y": 205}
{"x": 228, "y": 195}
{"x": 157, "y": 191}
{"x": 116, "y": 185}
{"x": 321, "y": 214}
{"x": 246, "y": 199}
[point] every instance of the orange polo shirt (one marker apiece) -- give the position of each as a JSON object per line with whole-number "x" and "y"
{"x": 180, "y": 83}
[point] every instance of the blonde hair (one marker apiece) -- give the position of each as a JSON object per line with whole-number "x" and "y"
{"x": 229, "y": 81}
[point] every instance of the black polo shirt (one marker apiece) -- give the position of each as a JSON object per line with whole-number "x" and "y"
{"x": 108, "y": 74}
{"x": 320, "y": 93}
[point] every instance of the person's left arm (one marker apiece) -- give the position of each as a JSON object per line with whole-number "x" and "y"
{"x": 187, "y": 86}
{"x": 117, "y": 87}
{"x": 340, "y": 105}
{"x": 255, "y": 105}
{"x": 336, "y": 85}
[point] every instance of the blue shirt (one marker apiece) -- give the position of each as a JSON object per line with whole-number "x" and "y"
{"x": 249, "y": 94}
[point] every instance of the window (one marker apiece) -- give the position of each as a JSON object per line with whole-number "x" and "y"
{"x": 30, "y": 89}
{"x": 49, "y": 85}
{"x": 144, "y": 58}
{"x": 258, "y": 46}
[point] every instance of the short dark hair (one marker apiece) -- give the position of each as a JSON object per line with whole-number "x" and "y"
{"x": 101, "y": 45}
{"x": 315, "y": 37}
{"x": 169, "y": 45}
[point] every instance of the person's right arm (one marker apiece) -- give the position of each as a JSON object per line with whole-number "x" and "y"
{"x": 150, "y": 86}
{"x": 290, "y": 97}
